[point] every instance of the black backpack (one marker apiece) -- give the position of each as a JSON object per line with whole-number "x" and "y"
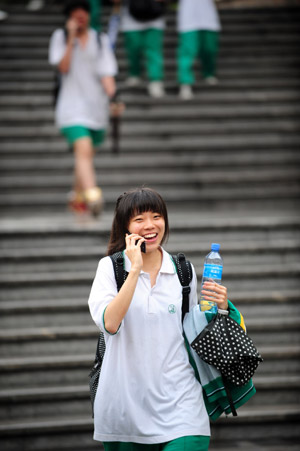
{"x": 185, "y": 275}
{"x": 144, "y": 10}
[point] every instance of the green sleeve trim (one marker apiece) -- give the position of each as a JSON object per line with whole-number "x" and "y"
{"x": 109, "y": 333}
{"x": 234, "y": 313}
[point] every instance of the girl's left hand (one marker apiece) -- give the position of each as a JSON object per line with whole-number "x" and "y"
{"x": 214, "y": 292}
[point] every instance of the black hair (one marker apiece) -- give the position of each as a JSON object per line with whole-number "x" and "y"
{"x": 75, "y": 4}
{"x": 129, "y": 204}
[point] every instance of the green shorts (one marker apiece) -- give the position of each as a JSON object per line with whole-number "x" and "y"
{"x": 78, "y": 131}
{"x": 190, "y": 443}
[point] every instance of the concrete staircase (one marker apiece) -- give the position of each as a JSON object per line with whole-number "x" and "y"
{"x": 227, "y": 164}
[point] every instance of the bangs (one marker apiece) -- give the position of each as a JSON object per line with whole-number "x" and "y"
{"x": 146, "y": 200}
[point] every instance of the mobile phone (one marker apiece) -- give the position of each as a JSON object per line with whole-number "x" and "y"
{"x": 143, "y": 245}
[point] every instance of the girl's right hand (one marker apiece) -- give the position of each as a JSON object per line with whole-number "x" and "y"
{"x": 71, "y": 27}
{"x": 133, "y": 250}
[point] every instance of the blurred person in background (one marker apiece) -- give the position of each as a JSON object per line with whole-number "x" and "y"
{"x": 198, "y": 25}
{"x": 143, "y": 38}
{"x": 87, "y": 66}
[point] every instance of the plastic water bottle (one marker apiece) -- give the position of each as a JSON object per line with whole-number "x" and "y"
{"x": 212, "y": 272}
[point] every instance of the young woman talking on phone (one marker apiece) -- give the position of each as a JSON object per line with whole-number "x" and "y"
{"x": 148, "y": 397}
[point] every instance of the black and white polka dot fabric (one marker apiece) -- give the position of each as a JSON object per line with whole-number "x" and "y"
{"x": 224, "y": 344}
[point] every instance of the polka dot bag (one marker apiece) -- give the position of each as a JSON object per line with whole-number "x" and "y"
{"x": 224, "y": 344}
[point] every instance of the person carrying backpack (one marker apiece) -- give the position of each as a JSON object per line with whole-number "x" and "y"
{"x": 148, "y": 397}
{"x": 142, "y": 24}
{"x": 87, "y": 67}
{"x": 199, "y": 26}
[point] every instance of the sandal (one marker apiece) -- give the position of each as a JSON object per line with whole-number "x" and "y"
{"x": 94, "y": 200}
{"x": 76, "y": 202}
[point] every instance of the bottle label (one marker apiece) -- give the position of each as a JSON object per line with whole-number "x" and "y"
{"x": 213, "y": 271}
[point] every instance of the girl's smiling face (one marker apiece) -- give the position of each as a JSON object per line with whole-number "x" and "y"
{"x": 148, "y": 225}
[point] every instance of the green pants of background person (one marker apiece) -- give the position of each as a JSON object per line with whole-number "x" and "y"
{"x": 95, "y": 21}
{"x": 193, "y": 44}
{"x": 147, "y": 44}
{"x": 191, "y": 443}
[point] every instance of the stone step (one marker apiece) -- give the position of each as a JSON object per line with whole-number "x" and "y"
{"x": 226, "y": 64}
{"x": 252, "y": 247}
{"x": 45, "y": 178}
{"x": 166, "y": 129}
{"x": 53, "y": 15}
{"x": 287, "y": 99}
{"x": 25, "y": 46}
{"x": 64, "y": 226}
{"x": 74, "y": 400}
{"x": 249, "y": 42}
{"x": 53, "y": 434}
{"x": 45, "y": 313}
{"x": 71, "y": 259}
{"x": 201, "y": 178}
{"x": 169, "y": 58}
{"x": 256, "y": 83}
{"x": 203, "y": 159}
{"x": 275, "y": 276}
{"x": 254, "y": 269}
{"x": 18, "y": 71}
{"x": 64, "y": 370}
{"x": 199, "y": 196}
{"x": 81, "y": 339}
{"x": 277, "y": 283}
{"x": 256, "y": 73}
{"x": 237, "y": 142}
{"x": 234, "y": 28}
{"x": 289, "y": 61}
{"x": 158, "y": 113}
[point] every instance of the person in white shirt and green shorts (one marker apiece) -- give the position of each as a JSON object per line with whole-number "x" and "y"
{"x": 87, "y": 66}
{"x": 198, "y": 25}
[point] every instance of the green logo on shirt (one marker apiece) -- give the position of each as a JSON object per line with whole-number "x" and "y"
{"x": 172, "y": 308}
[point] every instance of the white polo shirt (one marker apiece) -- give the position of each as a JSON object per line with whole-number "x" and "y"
{"x": 147, "y": 391}
{"x": 197, "y": 15}
{"x": 82, "y": 99}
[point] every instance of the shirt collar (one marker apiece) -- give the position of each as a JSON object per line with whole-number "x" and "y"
{"x": 167, "y": 264}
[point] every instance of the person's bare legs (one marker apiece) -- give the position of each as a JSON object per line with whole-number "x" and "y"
{"x": 84, "y": 165}
{"x": 85, "y": 177}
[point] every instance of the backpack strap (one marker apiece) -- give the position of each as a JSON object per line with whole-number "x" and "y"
{"x": 183, "y": 268}
{"x": 118, "y": 264}
{"x": 185, "y": 275}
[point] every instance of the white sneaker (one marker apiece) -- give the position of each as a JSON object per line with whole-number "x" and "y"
{"x": 212, "y": 81}
{"x": 156, "y": 89}
{"x": 132, "y": 82}
{"x": 35, "y": 5}
{"x": 3, "y": 15}
{"x": 186, "y": 92}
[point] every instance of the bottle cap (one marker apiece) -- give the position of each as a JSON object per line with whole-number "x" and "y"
{"x": 215, "y": 247}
